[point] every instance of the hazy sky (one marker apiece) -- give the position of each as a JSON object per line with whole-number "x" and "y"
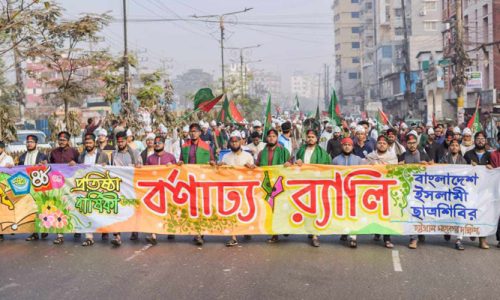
{"x": 286, "y": 46}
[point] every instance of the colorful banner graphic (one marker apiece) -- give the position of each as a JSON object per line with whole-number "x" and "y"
{"x": 194, "y": 199}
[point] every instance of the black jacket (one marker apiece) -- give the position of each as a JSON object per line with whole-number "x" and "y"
{"x": 471, "y": 156}
{"x": 39, "y": 158}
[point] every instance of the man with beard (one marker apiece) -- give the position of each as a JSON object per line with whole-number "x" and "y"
{"x": 439, "y": 132}
{"x": 91, "y": 156}
{"x": 347, "y": 158}
{"x": 272, "y": 155}
{"x": 453, "y": 157}
{"x": 64, "y": 154}
{"x": 159, "y": 158}
{"x": 467, "y": 142}
{"x": 312, "y": 153}
{"x": 240, "y": 158}
{"x": 196, "y": 151}
{"x": 414, "y": 156}
{"x": 382, "y": 156}
{"x": 150, "y": 147}
{"x": 124, "y": 156}
{"x": 334, "y": 147}
{"x": 256, "y": 145}
{"x": 33, "y": 157}
{"x": 394, "y": 146}
{"x": 479, "y": 156}
{"x": 326, "y": 135}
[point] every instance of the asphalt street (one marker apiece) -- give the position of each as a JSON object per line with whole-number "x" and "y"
{"x": 290, "y": 269}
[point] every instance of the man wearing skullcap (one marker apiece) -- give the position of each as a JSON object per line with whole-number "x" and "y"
{"x": 334, "y": 146}
{"x": 150, "y": 146}
{"x": 467, "y": 141}
{"x": 414, "y": 156}
{"x": 361, "y": 146}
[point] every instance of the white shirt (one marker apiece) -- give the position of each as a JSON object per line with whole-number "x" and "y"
{"x": 90, "y": 158}
{"x": 325, "y": 137}
{"x": 31, "y": 158}
{"x": 256, "y": 149}
{"x": 307, "y": 155}
{"x": 6, "y": 160}
{"x": 238, "y": 159}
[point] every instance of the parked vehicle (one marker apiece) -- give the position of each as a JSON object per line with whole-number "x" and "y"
{"x": 19, "y": 146}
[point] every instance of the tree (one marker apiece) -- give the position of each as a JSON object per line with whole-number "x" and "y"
{"x": 7, "y": 124}
{"x": 17, "y": 31}
{"x": 58, "y": 47}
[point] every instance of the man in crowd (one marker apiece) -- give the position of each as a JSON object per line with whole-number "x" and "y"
{"x": 414, "y": 156}
{"x": 361, "y": 146}
{"x": 124, "y": 156}
{"x": 92, "y": 156}
{"x": 159, "y": 158}
{"x": 6, "y": 161}
{"x": 196, "y": 151}
{"x": 256, "y": 145}
{"x": 102, "y": 140}
{"x": 312, "y": 153}
{"x": 453, "y": 157}
{"x": 326, "y": 135}
{"x": 348, "y": 158}
{"x": 382, "y": 156}
{"x": 64, "y": 154}
{"x": 285, "y": 138}
{"x": 33, "y": 157}
{"x": 334, "y": 147}
{"x": 150, "y": 147}
{"x": 434, "y": 150}
{"x": 479, "y": 157}
{"x": 467, "y": 142}
{"x": 394, "y": 146}
{"x": 132, "y": 143}
{"x": 272, "y": 155}
{"x": 240, "y": 158}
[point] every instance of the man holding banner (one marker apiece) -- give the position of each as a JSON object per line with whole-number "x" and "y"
{"x": 495, "y": 163}
{"x": 195, "y": 151}
{"x": 272, "y": 155}
{"x": 312, "y": 153}
{"x": 240, "y": 158}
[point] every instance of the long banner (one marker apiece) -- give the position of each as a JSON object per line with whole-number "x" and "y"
{"x": 194, "y": 199}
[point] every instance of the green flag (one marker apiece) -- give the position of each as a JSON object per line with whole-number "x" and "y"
{"x": 334, "y": 109}
{"x": 205, "y": 100}
{"x": 269, "y": 118}
{"x": 474, "y": 123}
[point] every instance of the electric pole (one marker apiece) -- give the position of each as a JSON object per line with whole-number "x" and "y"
{"x": 326, "y": 85}
{"x": 221, "y": 26}
{"x": 126, "y": 75}
{"x": 406, "y": 52}
{"x": 242, "y": 63}
{"x": 462, "y": 61}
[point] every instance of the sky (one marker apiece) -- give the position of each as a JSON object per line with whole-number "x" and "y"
{"x": 295, "y": 35}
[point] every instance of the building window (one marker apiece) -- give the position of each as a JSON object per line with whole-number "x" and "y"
{"x": 336, "y": 18}
{"x": 355, "y": 45}
{"x": 355, "y": 29}
{"x": 354, "y": 1}
{"x": 355, "y": 60}
{"x": 398, "y": 31}
{"x": 430, "y": 25}
{"x": 353, "y": 75}
{"x": 368, "y": 5}
{"x": 430, "y": 5}
{"x": 386, "y": 52}
{"x": 337, "y": 47}
{"x": 398, "y": 12}
{"x": 355, "y": 14}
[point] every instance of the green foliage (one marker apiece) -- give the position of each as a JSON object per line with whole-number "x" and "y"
{"x": 404, "y": 174}
{"x": 7, "y": 124}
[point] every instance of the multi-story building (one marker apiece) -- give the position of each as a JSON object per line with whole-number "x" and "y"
{"x": 481, "y": 33}
{"x": 260, "y": 83}
{"x": 308, "y": 88}
{"x": 348, "y": 23}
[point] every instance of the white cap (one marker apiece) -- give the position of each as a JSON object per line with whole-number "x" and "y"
{"x": 148, "y": 129}
{"x": 360, "y": 128}
{"x": 430, "y": 131}
{"x": 404, "y": 126}
{"x": 102, "y": 131}
{"x": 185, "y": 128}
{"x": 236, "y": 134}
{"x": 150, "y": 136}
{"x": 353, "y": 125}
{"x": 163, "y": 128}
{"x": 385, "y": 127}
{"x": 243, "y": 134}
{"x": 204, "y": 125}
{"x": 337, "y": 129}
{"x": 129, "y": 132}
{"x": 329, "y": 125}
{"x": 412, "y": 132}
{"x": 257, "y": 123}
{"x": 457, "y": 130}
{"x": 467, "y": 131}
{"x": 213, "y": 123}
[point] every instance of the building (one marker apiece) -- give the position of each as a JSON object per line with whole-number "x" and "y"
{"x": 347, "y": 24}
{"x": 261, "y": 83}
{"x": 481, "y": 36}
{"x": 308, "y": 88}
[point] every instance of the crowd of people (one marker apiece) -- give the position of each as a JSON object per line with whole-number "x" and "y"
{"x": 246, "y": 145}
